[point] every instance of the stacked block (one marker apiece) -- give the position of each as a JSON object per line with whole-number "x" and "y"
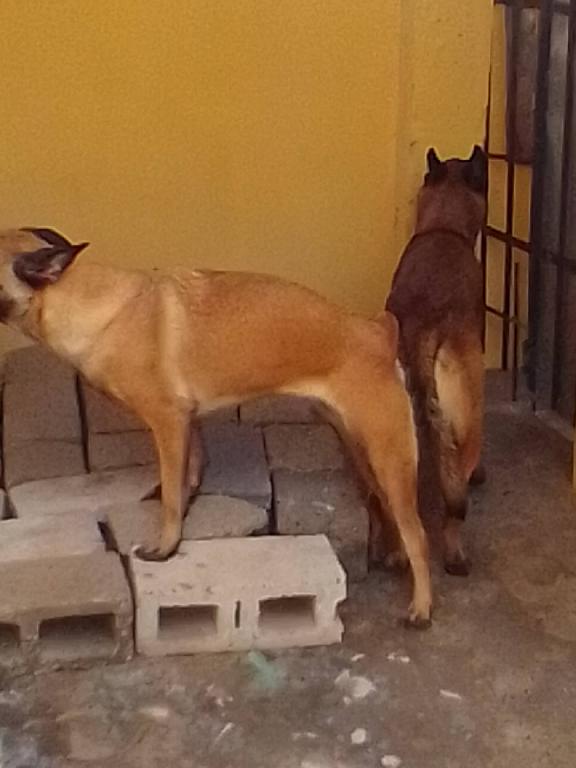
{"x": 235, "y": 594}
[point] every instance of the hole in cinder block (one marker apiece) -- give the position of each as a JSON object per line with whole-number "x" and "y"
{"x": 237, "y": 614}
{"x": 68, "y": 638}
{"x": 9, "y": 639}
{"x": 286, "y": 614}
{"x": 185, "y": 622}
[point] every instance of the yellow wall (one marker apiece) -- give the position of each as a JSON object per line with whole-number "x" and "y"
{"x": 275, "y": 135}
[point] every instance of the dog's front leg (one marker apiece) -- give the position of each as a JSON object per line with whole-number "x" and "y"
{"x": 171, "y": 430}
{"x": 195, "y": 466}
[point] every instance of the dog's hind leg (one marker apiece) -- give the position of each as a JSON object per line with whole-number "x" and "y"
{"x": 455, "y": 492}
{"x": 171, "y": 430}
{"x": 457, "y": 428}
{"x": 385, "y": 547}
{"x": 376, "y": 410}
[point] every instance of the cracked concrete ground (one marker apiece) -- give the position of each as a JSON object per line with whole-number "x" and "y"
{"x": 491, "y": 685}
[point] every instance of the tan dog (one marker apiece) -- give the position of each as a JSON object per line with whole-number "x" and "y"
{"x": 437, "y": 297}
{"x": 175, "y": 346}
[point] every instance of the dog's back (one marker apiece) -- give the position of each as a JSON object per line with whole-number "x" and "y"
{"x": 437, "y": 293}
{"x": 437, "y": 297}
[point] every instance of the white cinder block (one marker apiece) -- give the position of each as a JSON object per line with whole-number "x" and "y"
{"x": 236, "y": 594}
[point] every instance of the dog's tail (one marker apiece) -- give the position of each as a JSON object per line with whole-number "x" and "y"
{"x": 418, "y": 361}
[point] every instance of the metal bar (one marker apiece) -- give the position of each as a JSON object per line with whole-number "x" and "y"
{"x": 538, "y": 181}
{"x": 483, "y": 236}
{"x": 512, "y": 87}
{"x": 565, "y": 191}
{"x": 547, "y": 256}
{"x": 503, "y": 237}
{"x": 508, "y": 319}
{"x": 515, "y": 333}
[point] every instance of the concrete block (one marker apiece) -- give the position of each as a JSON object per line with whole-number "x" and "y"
{"x": 281, "y": 409}
{"x": 55, "y": 536}
{"x": 325, "y": 502}
{"x": 120, "y": 449}
{"x": 221, "y": 416}
{"x": 41, "y": 417}
{"x": 209, "y": 517}
{"x": 65, "y": 611}
{"x": 29, "y": 460}
{"x": 235, "y": 594}
{"x": 40, "y": 400}
{"x": 107, "y": 415}
{"x": 87, "y": 495}
{"x": 303, "y": 447}
{"x": 236, "y": 463}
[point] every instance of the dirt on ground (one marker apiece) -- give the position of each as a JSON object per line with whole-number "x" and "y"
{"x": 491, "y": 685}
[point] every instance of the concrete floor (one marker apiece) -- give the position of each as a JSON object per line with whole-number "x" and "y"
{"x": 491, "y": 685}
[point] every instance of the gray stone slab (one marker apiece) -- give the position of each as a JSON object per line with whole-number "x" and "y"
{"x": 89, "y": 495}
{"x": 41, "y": 537}
{"x": 235, "y": 463}
{"x": 120, "y": 449}
{"x": 209, "y": 517}
{"x": 223, "y": 517}
{"x": 29, "y": 460}
{"x": 303, "y": 447}
{"x": 326, "y": 502}
{"x": 107, "y": 415}
{"x": 40, "y": 400}
{"x": 281, "y": 409}
{"x": 133, "y": 524}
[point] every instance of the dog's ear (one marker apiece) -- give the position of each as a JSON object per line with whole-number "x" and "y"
{"x": 46, "y": 265}
{"x": 436, "y": 168}
{"x": 476, "y": 171}
{"x": 49, "y": 236}
{"x": 433, "y": 160}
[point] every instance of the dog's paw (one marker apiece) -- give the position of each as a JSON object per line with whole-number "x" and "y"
{"x": 418, "y": 618}
{"x": 152, "y": 554}
{"x": 417, "y": 622}
{"x": 457, "y": 566}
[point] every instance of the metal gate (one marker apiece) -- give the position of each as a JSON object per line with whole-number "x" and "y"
{"x": 551, "y": 354}
{"x": 540, "y": 131}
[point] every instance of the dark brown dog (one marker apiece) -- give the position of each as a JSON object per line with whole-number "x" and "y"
{"x": 437, "y": 296}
